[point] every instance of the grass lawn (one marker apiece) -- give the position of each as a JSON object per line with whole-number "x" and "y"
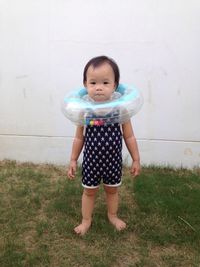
{"x": 39, "y": 208}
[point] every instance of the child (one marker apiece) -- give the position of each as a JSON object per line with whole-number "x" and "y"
{"x": 102, "y": 155}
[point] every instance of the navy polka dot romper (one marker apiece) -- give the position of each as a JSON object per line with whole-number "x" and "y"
{"x": 102, "y": 155}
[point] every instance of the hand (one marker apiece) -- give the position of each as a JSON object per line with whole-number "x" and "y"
{"x": 72, "y": 169}
{"x": 135, "y": 168}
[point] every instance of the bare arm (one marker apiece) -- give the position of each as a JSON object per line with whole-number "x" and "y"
{"x": 76, "y": 150}
{"x": 132, "y": 146}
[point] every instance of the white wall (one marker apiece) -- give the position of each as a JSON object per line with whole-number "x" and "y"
{"x": 44, "y": 46}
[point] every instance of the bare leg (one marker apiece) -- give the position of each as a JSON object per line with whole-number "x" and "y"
{"x": 88, "y": 198}
{"x": 112, "y": 199}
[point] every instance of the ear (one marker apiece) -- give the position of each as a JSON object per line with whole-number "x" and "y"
{"x": 115, "y": 87}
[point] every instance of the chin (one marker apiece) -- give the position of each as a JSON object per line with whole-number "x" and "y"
{"x": 99, "y": 98}
{"x": 102, "y": 98}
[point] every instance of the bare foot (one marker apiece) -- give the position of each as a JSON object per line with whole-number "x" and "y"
{"x": 82, "y": 228}
{"x": 118, "y": 223}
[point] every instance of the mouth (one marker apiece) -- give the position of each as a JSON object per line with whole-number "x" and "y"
{"x": 99, "y": 95}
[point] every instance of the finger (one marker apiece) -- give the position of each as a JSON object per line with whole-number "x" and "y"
{"x": 71, "y": 177}
{"x": 70, "y": 174}
{"x": 73, "y": 172}
{"x": 134, "y": 172}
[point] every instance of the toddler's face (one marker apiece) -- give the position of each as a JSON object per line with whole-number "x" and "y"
{"x": 100, "y": 82}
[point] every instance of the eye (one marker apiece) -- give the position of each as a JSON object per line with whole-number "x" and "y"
{"x": 106, "y": 83}
{"x": 93, "y": 83}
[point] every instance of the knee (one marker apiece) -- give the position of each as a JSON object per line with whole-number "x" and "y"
{"x": 90, "y": 192}
{"x": 110, "y": 190}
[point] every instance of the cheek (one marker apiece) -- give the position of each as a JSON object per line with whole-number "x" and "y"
{"x": 90, "y": 91}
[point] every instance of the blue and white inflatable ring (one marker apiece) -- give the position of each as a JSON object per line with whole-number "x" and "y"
{"x": 127, "y": 101}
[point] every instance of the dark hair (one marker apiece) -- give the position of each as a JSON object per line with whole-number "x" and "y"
{"x": 97, "y": 61}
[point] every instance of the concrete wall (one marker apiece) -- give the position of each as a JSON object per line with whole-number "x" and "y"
{"x": 44, "y": 46}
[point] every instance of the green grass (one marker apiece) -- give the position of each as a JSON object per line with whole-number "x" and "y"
{"x": 39, "y": 208}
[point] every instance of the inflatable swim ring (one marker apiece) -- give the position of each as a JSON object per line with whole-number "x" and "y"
{"x": 126, "y": 102}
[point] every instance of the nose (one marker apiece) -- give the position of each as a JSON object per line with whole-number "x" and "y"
{"x": 98, "y": 87}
